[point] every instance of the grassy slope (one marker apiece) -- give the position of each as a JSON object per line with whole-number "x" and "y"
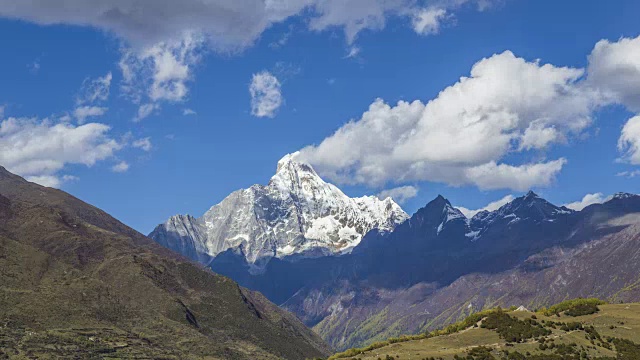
{"x": 624, "y": 318}
{"x": 76, "y": 283}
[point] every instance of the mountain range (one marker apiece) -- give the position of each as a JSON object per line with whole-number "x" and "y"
{"x": 75, "y": 283}
{"x": 410, "y": 274}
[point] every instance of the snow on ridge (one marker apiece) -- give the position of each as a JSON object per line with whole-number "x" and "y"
{"x": 295, "y": 213}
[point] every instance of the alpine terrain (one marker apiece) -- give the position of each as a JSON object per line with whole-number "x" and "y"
{"x": 77, "y": 283}
{"x": 439, "y": 266}
{"x": 297, "y": 215}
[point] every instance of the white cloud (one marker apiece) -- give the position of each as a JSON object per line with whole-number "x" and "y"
{"x": 428, "y": 21}
{"x": 492, "y": 206}
{"x": 538, "y": 136}
{"x": 145, "y": 110}
{"x": 144, "y": 144}
{"x": 120, "y": 167}
{"x": 629, "y": 174}
{"x": 66, "y": 178}
{"x": 164, "y": 39}
{"x": 83, "y": 112}
{"x": 493, "y": 176}
{"x": 40, "y": 149}
{"x": 614, "y": 69}
{"x": 589, "y": 199}
{"x": 399, "y": 194}
{"x": 283, "y": 40}
{"x": 95, "y": 90}
{"x": 45, "y": 180}
{"x": 91, "y": 92}
{"x": 51, "y": 180}
{"x": 507, "y": 104}
{"x": 187, "y": 112}
{"x": 161, "y": 72}
{"x": 629, "y": 142}
{"x": 266, "y": 95}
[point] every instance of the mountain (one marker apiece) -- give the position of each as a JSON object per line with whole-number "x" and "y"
{"x": 529, "y": 252}
{"x": 575, "y": 329}
{"x": 77, "y": 283}
{"x": 297, "y": 215}
{"x": 438, "y": 266}
{"x": 426, "y": 271}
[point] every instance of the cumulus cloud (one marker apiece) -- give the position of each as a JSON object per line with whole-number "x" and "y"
{"x": 506, "y": 104}
{"x": 83, "y": 112}
{"x": 589, "y": 199}
{"x": 492, "y": 176}
{"x": 492, "y": 206}
{"x": 120, "y": 167}
{"x": 614, "y": 69}
{"x": 399, "y": 194}
{"x": 143, "y": 144}
{"x": 266, "y": 95}
{"x": 40, "y": 149}
{"x": 187, "y": 112}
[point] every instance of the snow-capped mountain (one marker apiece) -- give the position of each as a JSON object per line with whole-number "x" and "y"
{"x": 530, "y": 207}
{"x": 296, "y": 214}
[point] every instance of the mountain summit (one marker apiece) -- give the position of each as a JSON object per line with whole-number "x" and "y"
{"x": 296, "y": 214}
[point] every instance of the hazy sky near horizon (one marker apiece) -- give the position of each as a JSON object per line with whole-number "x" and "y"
{"x": 150, "y": 109}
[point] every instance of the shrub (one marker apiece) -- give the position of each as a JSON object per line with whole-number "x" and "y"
{"x": 512, "y": 329}
{"x": 582, "y": 309}
{"x": 571, "y": 304}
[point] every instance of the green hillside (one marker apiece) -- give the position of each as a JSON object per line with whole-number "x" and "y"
{"x": 582, "y": 329}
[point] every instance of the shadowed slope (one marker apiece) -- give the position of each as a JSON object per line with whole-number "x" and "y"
{"x": 76, "y": 282}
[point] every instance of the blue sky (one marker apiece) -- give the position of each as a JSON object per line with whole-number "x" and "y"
{"x": 168, "y": 162}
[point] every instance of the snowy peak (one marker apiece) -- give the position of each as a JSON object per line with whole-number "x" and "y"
{"x": 297, "y": 213}
{"x": 291, "y": 171}
{"x": 438, "y": 214}
{"x": 529, "y": 207}
{"x": 622, "y": 196}
{"x": 534, "y": 207}
{"x": 289, "y": 163}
